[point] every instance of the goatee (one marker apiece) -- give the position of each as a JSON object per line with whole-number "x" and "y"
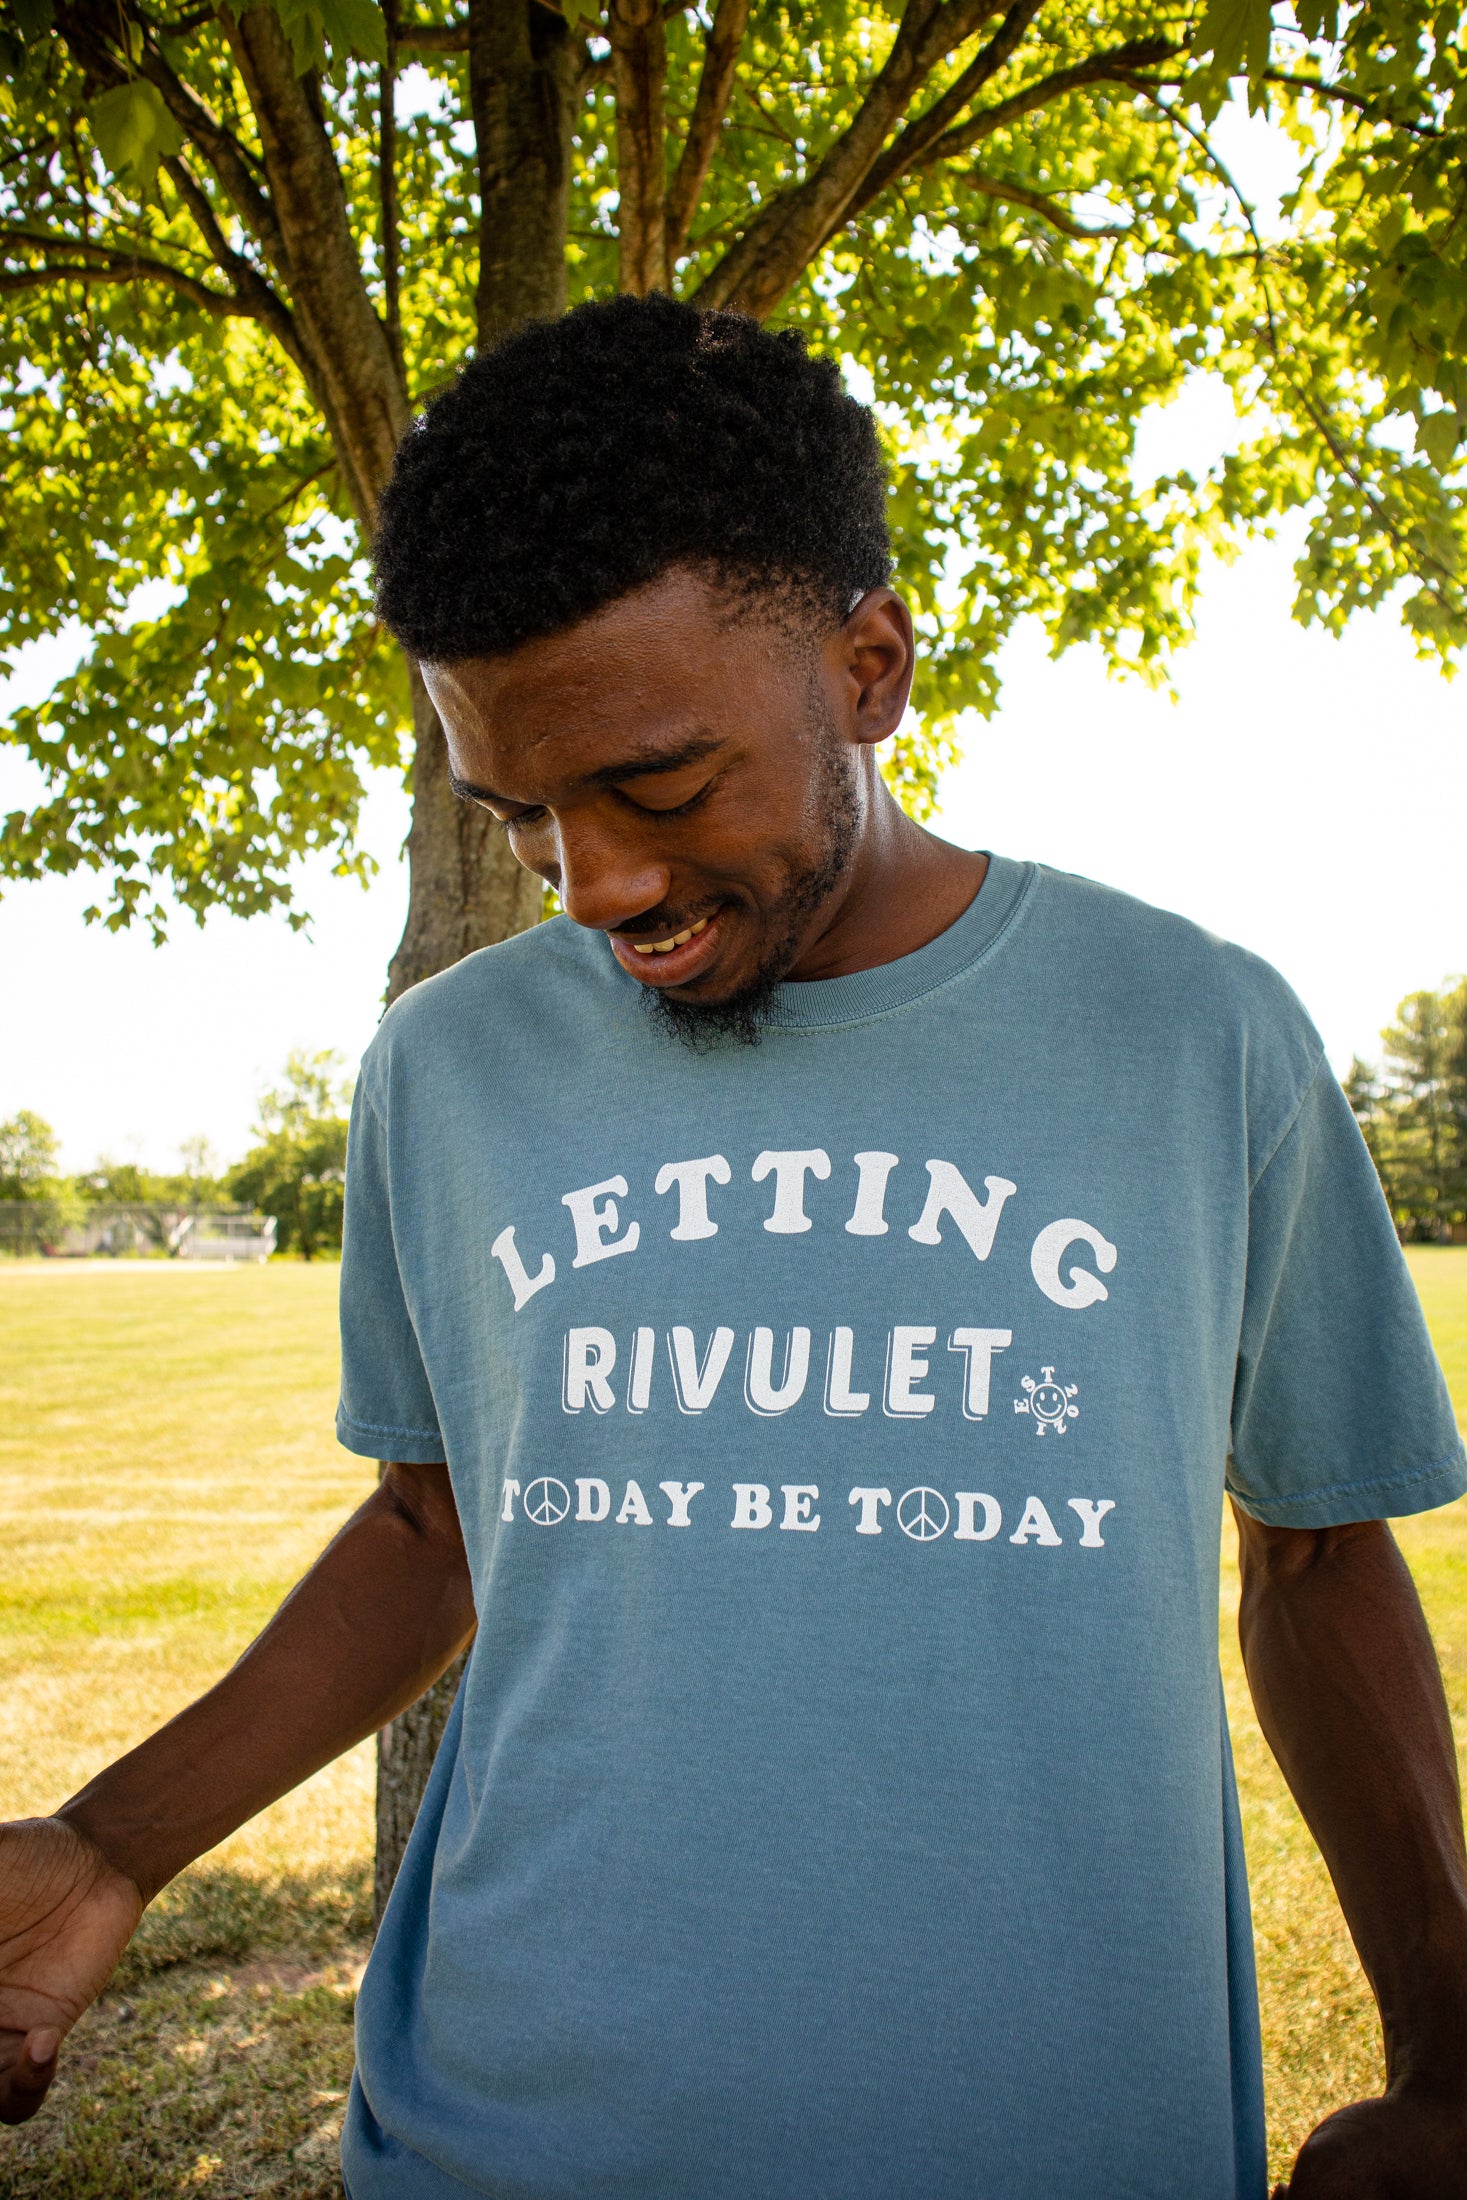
{"x": 743, "y": 1018}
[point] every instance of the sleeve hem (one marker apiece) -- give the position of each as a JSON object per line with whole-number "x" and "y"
{"x": 415, "y": 1447}
{"x": 1419, "y": 1489}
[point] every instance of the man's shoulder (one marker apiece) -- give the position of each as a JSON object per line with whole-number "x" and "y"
{"x": 1158, "y": 989}
{"x": 1163, "y": 960}
{"x": 522, "y": 984}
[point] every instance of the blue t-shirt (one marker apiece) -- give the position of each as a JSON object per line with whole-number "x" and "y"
{"x": 838, "y": 1802}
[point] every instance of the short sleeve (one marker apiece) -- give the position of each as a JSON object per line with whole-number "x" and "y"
{"x": 386, "y": 1409}
{"x": 1340, "y": 1410}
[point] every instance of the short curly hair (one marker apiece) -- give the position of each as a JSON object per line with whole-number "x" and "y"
{"x": 581, "y": 458}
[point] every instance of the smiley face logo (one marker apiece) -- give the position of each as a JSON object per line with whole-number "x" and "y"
{"x": 1050, "y": 1403}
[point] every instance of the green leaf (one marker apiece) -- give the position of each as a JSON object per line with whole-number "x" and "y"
{"x": 32, "y": 17}
{"x": 1319, "y": 19}
{"x": 355, "y": 26}
{"x": 582, "y": 11}
{"x": 134, "y": 131}
{"x": 1437, "y": 437}
{"x": 1236, "y": 33}
{"x": 346, "y": 26}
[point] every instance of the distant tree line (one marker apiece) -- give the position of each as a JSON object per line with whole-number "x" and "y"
{"x": 1413, "y": 1111}
{"x": 295, "y": 1171}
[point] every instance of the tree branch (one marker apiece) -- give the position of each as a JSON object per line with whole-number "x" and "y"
{"x": 102, "y": 264}
{"x": 1370, "y": 108}
{"x": 88, "y": 27}
{"x": 435, "y": 37}
{"x": 790, "y": 229}
{"x": 715, "y": 88}
{"x": 248, "y": 283}
{"x": 524, "y": 84}
{"x": 638, "y": 34}
{"x": 1039, "y": 202}
{"x": 387, "y": 188}
{"x": 918, "y": 136}
{"x": 1118, "y": 65}
{"x": 353, "y": 371}
{"x": 1439, "y": 589}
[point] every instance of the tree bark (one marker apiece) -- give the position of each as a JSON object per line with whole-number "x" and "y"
{"x": 466, "y": 889}
{"x": 639, "y": 73}
{"x": 524, "y": 68}
{"x": 405, "y": 1752}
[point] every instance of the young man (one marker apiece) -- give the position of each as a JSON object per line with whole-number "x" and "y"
{"x": 814, "y": 1297}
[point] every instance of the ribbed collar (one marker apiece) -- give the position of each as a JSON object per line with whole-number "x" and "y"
{"x": 818, "y": 1003}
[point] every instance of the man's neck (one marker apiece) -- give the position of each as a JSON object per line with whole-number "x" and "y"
{"x": 904, "y": 888}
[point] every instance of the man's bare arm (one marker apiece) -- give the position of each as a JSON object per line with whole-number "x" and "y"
{"x": 382, "y": 1612}
{"x": 1349, "y": 1694}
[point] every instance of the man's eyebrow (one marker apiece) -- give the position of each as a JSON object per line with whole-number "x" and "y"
{"x": 638, "y": 764}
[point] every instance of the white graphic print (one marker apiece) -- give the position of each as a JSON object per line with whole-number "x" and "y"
{"x": 922, "y": 1514}
{"x": 547, "y": 1501}
{"x": 595, "y": 1212}
{"x": 1049, "y": 1402}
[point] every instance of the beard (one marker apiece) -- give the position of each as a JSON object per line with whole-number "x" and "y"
{"x": 742, "y": 1019}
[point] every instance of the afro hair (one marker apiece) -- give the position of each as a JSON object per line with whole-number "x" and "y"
{"x": 582, "y": 458}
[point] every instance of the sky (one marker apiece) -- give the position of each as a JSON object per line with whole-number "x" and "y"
{"x": 1304, "y": 796}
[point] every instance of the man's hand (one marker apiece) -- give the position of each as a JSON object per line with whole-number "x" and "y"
{"x": 1409, "y": 2145}
{"x": 385, "y": 1608}
{"x": 65, "y": 1917}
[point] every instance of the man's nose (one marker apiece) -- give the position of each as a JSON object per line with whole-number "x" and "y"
{"x": 607, "y": 881}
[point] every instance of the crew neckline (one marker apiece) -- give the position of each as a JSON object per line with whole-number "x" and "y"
{"x": 818, "y": 1003}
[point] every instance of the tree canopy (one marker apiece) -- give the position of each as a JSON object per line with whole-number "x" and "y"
{"x": 1412, "y": 1108}
{"x": 297, "y": 1169}
{"x": 237, "y": 250}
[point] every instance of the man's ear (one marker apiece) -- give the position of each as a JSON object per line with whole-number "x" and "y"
{"x": 875, "y": 657}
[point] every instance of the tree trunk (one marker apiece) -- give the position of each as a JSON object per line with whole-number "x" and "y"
{"x": 466, "y": 888}
{"x": 467, "y": 891}
{"x": 405, "y": 1753}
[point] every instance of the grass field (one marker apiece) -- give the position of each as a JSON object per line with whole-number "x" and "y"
{"x": 166, "y": 1470}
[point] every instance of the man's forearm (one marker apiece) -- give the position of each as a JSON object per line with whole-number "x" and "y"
{"x": 381, "y": 1613}
{"x": 1349, "y": 1694}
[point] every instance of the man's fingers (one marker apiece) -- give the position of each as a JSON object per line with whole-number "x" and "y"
{"x": 28, "y": 2081}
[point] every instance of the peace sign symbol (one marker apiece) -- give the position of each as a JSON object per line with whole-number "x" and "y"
{"x": 546, "y": 1501}
{"x": 922, "y": 1514}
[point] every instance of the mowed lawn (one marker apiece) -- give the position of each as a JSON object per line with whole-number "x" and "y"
{"x": 167, "y": 1469}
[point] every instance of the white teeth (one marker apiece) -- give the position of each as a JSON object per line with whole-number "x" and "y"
{"x": 680, "y": 939}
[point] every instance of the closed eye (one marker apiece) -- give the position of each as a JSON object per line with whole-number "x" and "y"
{"x": 665, "y": 810}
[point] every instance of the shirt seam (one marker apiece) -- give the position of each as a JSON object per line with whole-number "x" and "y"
{"x": 1423, "y": 1473}
{"x": 388, "y": 1428}
{"x": 989, "y": 948}
{"x": 1320, "y": 1065}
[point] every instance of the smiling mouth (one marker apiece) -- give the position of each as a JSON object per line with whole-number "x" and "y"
{"x": 682, "y": 955}
{"x": 665, "y": 947}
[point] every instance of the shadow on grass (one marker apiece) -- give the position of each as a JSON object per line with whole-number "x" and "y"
{"x": 219, "y": 2058}
{"x": 215, "y": 1915}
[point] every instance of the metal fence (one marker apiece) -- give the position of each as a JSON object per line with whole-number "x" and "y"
{"x": 69, "y": 1229}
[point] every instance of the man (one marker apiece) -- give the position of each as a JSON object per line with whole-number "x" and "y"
{"x": 813, "y": 1298}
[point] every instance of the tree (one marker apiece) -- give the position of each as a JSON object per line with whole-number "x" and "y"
{"x": 28, "y": 1150}
{"x": 237, "y": 249}
{"x": 1414, "y": 1111}
{"x": 297, "y": 1172}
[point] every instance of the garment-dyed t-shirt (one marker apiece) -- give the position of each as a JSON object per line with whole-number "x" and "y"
{"x": 837, "y": 1804}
